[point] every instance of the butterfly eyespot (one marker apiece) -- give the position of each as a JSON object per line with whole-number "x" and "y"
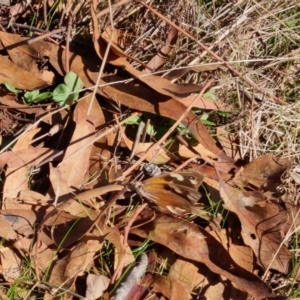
{"x": 191, "y": 177}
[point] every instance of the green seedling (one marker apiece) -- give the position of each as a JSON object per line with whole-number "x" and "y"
{"x": 11, "y": 88}
{"x": 136, "y": 120}
{"x": 66, "y": 94}
{"x": 35, "y": 96}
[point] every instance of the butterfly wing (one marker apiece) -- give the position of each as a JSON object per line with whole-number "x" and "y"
{"x": 175, "y": 191}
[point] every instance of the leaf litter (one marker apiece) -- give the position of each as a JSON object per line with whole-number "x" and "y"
{"x": 64, "y": 205}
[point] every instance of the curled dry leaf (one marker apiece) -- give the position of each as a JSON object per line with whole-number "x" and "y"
{"x": 161, "y": 57}
{"x": 194, "y": 243}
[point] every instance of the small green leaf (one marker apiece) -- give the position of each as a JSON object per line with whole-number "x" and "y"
{"x": 150, "y": 130}
{"x": 210, "y": 95}
{"x": 133, "y": 120}
{"x": 205, "y": 121}
{"x": 30, "y": 95}
{"x": 73, "y": 82}
{"x": 42, "y": 97}
{"x": 11, "y": 88}
{"x": 61, "y": 93}
{"x": 72, "y": 97}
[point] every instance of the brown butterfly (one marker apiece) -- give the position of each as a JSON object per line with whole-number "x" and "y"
{"x": 175, "y": 192}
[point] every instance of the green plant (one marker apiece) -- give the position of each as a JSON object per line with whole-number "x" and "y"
{"x": 66, "y": 94}
{"x": 35, "y": 96}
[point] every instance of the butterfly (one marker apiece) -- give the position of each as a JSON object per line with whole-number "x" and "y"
{"x": 175, "y": 192}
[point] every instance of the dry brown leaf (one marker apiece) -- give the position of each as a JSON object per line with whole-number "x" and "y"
{"x": 74, "y": 167}
{"x": 187, "y": 273}
{"x": 31, "y": 198}
{"x": 60, "y": 228}
{"x": 194, "y": 243}
{"x": 203, "y": 103}
{"x": 16, "y": 178}
{"x": 20, "y": 53}
{"x": 262, "y": 225}
{"x": 227, "y": 141}
{"x": 95, "y": 286}
{"x": 7, "y": 231}
{"x": 25, "y": 157}
{"x": 217, "y": 290}
{"x": 123, "y": 255}
{"x": 158, "y": 155}
{"x": 22, "y": 221}
{"x": 263, "y": 172}
{"x": 10, "y": 264}
{"x": 19, "y": 77}
{"x": 185, "y": 152}
{"x": 171, "y": 288}
{"x": 241, "y": 254}
{"x": 43, "y": 257}
{"x": 58, "y": 278}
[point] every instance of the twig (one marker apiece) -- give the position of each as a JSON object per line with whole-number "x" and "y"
{"x": 67, "y": 50}
{"x": 45, "y": 35}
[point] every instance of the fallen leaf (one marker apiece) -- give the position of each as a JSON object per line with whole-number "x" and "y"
{"x": 70, "y": 175}
{"x": 262, "y": 225}
{"x": 10, "y": 264}
{"x": 19, "y": 77}
{"x": 171, "y": 288}
{"x": 95, "y": 286}
{"x": 227, "y": 141}
{"x": 194, "y": 243}
{"x": 263, "y": 172}
{"x": 187, "y": 273}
